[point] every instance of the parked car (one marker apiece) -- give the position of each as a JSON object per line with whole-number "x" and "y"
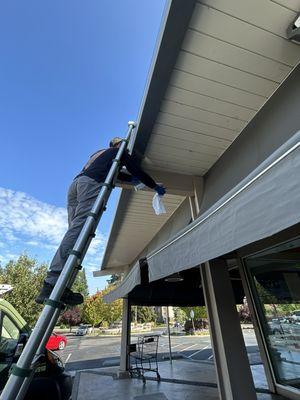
{"x": 56, "y": 342}
{"x": 83, "y": 330}
{"x": 50, "y": 381}
{"x": 295, "y": 316}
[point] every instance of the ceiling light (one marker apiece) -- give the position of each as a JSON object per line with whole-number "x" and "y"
{"x": 297, "y": 22}
{"x": 293, "y": 31}
{"x": 174, "y": 278}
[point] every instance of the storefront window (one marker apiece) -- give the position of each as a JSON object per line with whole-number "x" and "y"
{"x": 275, "y": 279}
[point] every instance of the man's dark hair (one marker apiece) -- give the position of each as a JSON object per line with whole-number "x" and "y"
{"x": 115, "y": 141}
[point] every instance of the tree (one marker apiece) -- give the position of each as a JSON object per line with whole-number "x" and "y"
{"x": 80, "y": 285}
{"x": 199, "y": 312}
{"x": 199, "y": 321}
{"x": 96, "y": 311}
{"x": 26, "y": 277}
{"x": 179, "y": 315}
{"x": 144, "y": 314}
{"x": 91, "y": 312}
{"x": 71, "y": 317}
{"x": 273, "y": 306}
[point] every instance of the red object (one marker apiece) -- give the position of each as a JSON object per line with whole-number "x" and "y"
{"x": 56, "y": 342}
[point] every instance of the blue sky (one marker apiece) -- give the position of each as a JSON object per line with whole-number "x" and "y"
{"x": 72, "y": 74}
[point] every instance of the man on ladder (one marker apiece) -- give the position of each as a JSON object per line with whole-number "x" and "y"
{"x": 81, "y": 197}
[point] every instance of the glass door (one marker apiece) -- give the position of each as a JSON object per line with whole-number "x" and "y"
{"x": 274, "y": 277}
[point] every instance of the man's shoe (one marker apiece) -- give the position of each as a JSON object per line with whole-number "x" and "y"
{"x": 69, "y": 297}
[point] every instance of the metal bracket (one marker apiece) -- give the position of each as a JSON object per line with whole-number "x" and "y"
{"x": 54, "y": 303}
{"x": 93, "y": 215}
{"x": 75, "y": 253}
{"x": 22, "y": 372}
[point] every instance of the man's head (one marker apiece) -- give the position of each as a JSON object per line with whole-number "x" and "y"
{"x": 115, "y": 142}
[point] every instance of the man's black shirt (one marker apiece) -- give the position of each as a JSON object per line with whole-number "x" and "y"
{"x": 98, "y": 169}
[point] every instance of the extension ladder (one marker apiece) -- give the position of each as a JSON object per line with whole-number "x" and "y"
{"x": 23, "y": 372}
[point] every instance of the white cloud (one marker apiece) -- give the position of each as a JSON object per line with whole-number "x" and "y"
{"x": 30, "y": 222}
{"x": 32, "y": 243}
{"x": 23, "y": 214}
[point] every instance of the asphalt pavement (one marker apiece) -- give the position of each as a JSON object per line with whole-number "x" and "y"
{"x": 89, "y": 352}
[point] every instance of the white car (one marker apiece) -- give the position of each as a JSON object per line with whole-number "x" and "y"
{"x": 83, "y": 330}
{"x": 296, "y": 315}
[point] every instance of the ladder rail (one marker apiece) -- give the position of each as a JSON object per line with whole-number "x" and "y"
{"x": 42, "y": 331}
{"x": 25, "y": 385}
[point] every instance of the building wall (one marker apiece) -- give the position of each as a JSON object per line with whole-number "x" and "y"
{"x": 275, "y": 123}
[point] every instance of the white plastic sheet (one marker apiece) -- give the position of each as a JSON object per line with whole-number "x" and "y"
{"x": 158, "y": 205}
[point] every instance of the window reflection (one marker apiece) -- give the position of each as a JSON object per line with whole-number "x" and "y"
{"x": 275, "y": 279}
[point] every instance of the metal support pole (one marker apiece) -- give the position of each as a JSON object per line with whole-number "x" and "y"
{"x": 125, "y": 340}
{"x": 169, "y": 335}
{"x": 23, "y": 367}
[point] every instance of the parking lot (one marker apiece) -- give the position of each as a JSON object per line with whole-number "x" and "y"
{"x": 87, "y": 352}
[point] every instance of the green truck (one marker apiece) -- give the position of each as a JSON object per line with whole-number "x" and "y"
{"x": 50, "y": 380}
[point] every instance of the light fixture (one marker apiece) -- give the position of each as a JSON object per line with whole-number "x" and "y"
{"x": 174, "y": 278}
{"x": 293, "y": 31}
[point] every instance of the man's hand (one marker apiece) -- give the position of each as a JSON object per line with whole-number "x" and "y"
{"x": 160, "y": 190}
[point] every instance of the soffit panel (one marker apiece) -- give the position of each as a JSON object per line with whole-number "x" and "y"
{"x": 233, "y": 57}
{"x": 293, "y": 5}
{"x": 256, "y": 38}
{"x": 196, "y": 114}
{"x": 196, "y": 84}
{"x": 225, "y": 74}
{"x": 138, "y": 224}
{"x": 264, "y": 14}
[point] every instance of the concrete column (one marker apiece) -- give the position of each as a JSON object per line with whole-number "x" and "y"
{"x": 125, "y": 340}
{"x": 234, "y": 376}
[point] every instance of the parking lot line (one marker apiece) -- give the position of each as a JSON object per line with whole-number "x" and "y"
{"x": 68, "y": 358}
{"x": 196, "y": 352}
{"x": 189, "y": 347}
{"x": 177, "y": 345}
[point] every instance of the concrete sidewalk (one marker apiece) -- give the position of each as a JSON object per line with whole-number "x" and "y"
{"x": 181, "y": 380}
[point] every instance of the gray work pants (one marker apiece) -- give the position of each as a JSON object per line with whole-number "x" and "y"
{"x": 81, "y": 198}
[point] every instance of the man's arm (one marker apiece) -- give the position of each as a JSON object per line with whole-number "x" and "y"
{"x": 122, "y": 176}
{"x": 137, "y": 172}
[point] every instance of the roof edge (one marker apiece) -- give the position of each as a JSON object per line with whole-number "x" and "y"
{"x": 176, "y": 19}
